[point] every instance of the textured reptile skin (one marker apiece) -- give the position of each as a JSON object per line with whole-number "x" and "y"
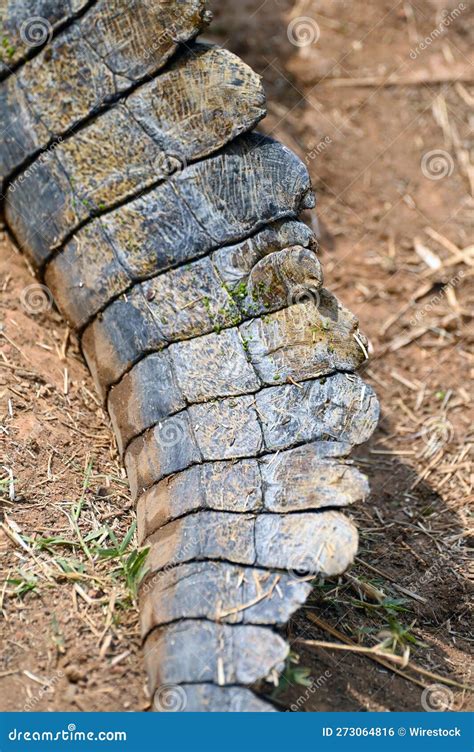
{"x": 169, "y": 236}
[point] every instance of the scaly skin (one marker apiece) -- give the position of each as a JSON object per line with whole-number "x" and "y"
{"x": 26, "y": 26}
{"x": 170, "y": 239}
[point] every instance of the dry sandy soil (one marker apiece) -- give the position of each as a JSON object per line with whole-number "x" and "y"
{"x": 382, "y": 120}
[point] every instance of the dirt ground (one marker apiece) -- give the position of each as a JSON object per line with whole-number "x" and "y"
{"x": 381, "y": 117}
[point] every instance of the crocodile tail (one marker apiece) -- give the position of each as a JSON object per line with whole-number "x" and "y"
{"x": 168, "y": 232}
